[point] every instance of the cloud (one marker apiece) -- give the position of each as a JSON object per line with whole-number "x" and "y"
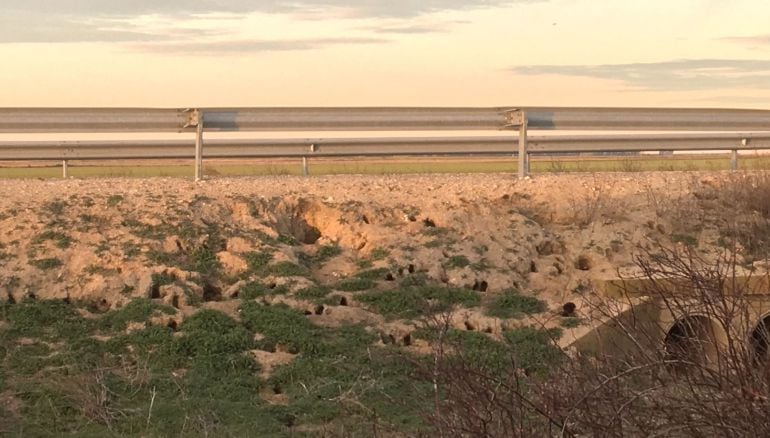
{"x": 369, "y": 8}
{"x": 681, "y": 75}
{"x": 756, "y": 40}
{"x": 409, "y": 29}
{"x": 251, "y": 46}
{"x": 70, "y": 21}
{"x": 13, "y": 29}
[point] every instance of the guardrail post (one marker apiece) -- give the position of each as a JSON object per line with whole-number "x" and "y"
{"x": 199, "y": 146}
{"x": 305, "y": 170}
{"x": 65, "y": 173}
{"x": 734, "y": 160}
{"x": 523, "y": 154}
{"x": 195, "y": 118}
{"x": 734, "y": 154}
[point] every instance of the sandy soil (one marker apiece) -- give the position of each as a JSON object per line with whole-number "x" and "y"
{"x": 100, "y": 241}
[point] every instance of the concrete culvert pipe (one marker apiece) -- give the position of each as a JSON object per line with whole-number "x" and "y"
{"x": 693, "y": 339}
{"x": 760, "y": 341}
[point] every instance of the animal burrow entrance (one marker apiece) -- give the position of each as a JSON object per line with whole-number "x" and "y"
{"x": 211, "y": 292}
{"x": 583, "y": 263}
{"x": 480, "y": 286}
{"x": 290, "y": 221}
{"x": 155, "y": 291}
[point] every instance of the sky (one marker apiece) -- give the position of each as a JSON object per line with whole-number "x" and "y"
{"x": 224, "y": 53}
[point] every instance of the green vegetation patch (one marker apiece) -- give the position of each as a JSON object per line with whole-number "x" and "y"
{"x": 333, "y": 363}
{"x": 379, "y": 253}
{"x": 326, "y": 253}
{"x": 511, "y": 304}
{"x": 417, "y": 301}
{"x": 287, "y": 269}
{"x": 49, "y": 320}
{"x": 355, "y": 284}
{"x": 457, "y": 261}
{"x": 280, "y": 324}
{"x": 46, "y": 263}
{"x": 570, "y": 322}
{"x": 685, "y": 239}
{"x": 416, "y": 279}
{"x": 530, "y": 349}
{"x": 373, "y": 274}
{"x": 256, "y": 289}
{"x": 204, "y": 260}
{"x": 138, "y": 310}
{"x": 146, "y": 383}
{"x": 210, "y": 333}
{"x": 55, "y": 207}
{"x": 114, "y": 200}
{"x": 257, "y": 262}
{"x": 322, "y": 167}
{"x": 313, "y": 293}
{"x": 61, "y": 240}
{"x": 85, "y": 376}
{"x": 535, "y": 349}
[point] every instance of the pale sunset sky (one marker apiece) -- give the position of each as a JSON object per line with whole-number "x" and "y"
{"x": 182, "y": 53}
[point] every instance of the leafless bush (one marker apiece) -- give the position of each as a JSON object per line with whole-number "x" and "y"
{"x": 472, "y": 399}
{"x": 587, "y": 207}
{"x": 556, "y": 165}
{"x": 744, "y": 207}
{"x": 680, "y": 204}
{"x": 630, "y": 164}
{"x": 679, "y": 354}
{"x": 694, "y": 376}
{"x": 90, "y": 392}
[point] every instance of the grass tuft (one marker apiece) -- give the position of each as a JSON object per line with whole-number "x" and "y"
{"x": 513, "y": 305}
{"x": 418, "y": 301}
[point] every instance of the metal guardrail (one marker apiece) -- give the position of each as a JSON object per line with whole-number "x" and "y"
{"x": 388, "y": 146}
{"x": 70, "y": 120}
{"x": 97, "y": 120}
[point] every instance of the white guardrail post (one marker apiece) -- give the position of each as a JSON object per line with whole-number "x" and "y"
{"x": 65, "y": 169}
{"x": 734, "y": 155}
{"x": 518, "y": 118}
{"x": 195, "y": 119}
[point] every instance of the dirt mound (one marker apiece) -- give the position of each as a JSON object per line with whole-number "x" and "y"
{"x": 105, "y": 242}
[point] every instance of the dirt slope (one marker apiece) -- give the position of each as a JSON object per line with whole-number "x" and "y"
{"x": 103, "y": 242}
